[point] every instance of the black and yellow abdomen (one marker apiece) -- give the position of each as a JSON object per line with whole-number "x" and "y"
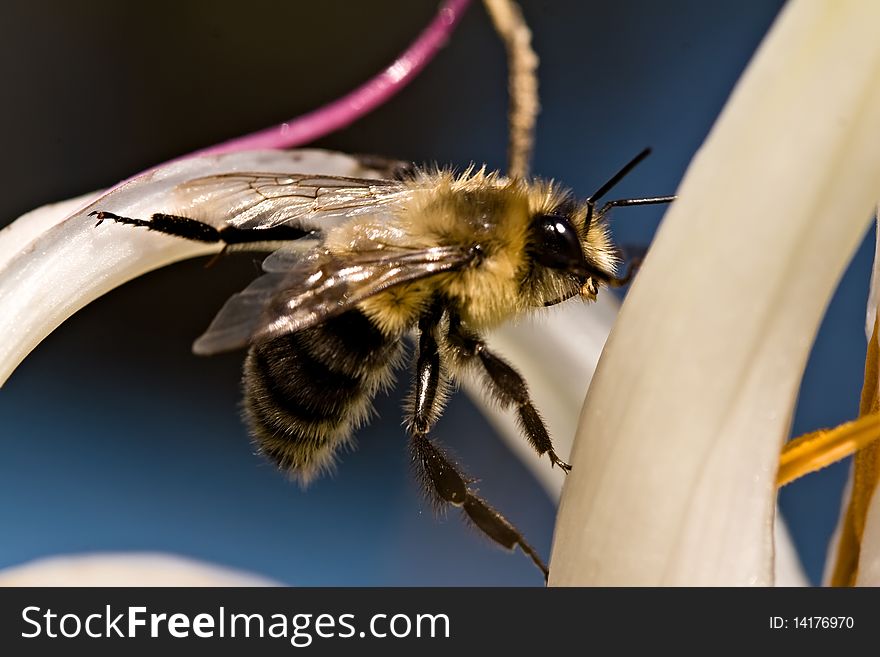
{"x": 306, "y": 392}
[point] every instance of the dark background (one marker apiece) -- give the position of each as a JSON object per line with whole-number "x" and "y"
{"x": 114, "y": 437}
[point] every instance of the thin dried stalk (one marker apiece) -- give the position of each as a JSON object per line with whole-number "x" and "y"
{"x": 522, "y": 64}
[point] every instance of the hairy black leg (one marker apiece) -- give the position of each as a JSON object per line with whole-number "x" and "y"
{"x": 198, "y": 231}
{"x": 447, "y": 485}
{"x": 167, "y": 223}
{"x": 509, "y": 388}
{"x": 441, "y": 477}
{"x": 425, "y": 405}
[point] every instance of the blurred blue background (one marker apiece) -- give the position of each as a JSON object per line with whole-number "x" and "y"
{"x": 114, "y": 437}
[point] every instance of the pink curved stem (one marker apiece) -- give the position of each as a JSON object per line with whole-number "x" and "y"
{"x": 355, "y": 104}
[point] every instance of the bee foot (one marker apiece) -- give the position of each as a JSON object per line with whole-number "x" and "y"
{"x": 555, "y": 460}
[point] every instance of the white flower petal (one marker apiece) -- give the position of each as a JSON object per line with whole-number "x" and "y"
{"x": 15, "y": 237}
{"x": 126, "y": 569}
{"x": 51, "y": 266}
{"x": 675, "y": 460}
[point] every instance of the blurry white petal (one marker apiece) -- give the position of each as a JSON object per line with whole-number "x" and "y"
{"x": 126, "y": 569}
{"x": 675, "y": 460}
{"x": 51, "y": 266}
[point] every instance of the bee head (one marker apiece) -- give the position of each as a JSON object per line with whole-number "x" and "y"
{"x": 589, "y": 255}
{"x": 557, "y": 244}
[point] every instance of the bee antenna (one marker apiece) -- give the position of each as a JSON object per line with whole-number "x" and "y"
{"x": 609, "y": 185}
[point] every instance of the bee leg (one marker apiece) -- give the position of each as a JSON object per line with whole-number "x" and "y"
{"x": 166, "y": 223}
{"x": 445, "y": 484}
{"x": 425, "y": 405}
{"x": 440, "y": 476}
{"x": 508, "y": 387}
{"x": 199, "y": 231}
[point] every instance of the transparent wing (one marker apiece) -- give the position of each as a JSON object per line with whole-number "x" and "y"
{"x": 239, "y": 317}
{"x": 318, "y": 287}
{"x": 264, "y": 200}
{"x": 287, "y": 257}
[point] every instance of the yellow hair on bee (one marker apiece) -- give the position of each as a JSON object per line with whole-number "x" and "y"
{"x": 479, "y": 209}
{"x": 476, "y": 208}
{"x": 393, "y": 311}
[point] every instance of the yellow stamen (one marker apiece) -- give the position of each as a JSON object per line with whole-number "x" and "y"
{"x": 816, "y": 450}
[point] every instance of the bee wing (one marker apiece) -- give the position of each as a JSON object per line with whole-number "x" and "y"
{"x": 239, "y": 317}
{"x": 264, "y": 200}
{"x": 318, "y": 287}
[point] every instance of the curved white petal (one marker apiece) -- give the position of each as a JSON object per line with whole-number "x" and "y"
{"x": 15, "y": 237}
{"x": 54, "y": 261}
{"x": 675, "y": 460}
{"x": 126, "y": 569}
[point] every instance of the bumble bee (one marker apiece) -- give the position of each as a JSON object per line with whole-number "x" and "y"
{"x": 356, "y": 265}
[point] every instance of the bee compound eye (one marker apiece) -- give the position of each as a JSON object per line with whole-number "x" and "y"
{"x": 556, "y": 243}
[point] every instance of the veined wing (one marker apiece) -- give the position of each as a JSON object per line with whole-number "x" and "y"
{"x": 318, "y": 287}
{"x": 265, "y": 200}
